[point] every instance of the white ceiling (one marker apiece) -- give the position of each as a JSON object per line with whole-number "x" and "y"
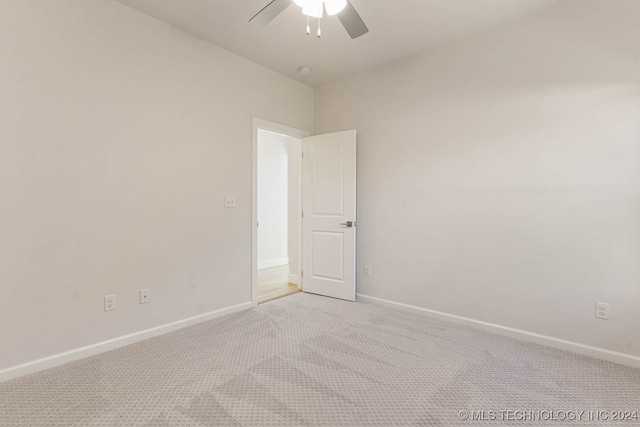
{"x": 397, "y": 29}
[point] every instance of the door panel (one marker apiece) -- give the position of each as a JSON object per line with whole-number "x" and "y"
{"x": 328, "y": 180}
{"x": 328, "y": 267}
{"x": 329, "y": 207}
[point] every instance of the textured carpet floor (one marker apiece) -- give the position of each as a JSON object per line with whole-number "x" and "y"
{"x": 308, "y": 360}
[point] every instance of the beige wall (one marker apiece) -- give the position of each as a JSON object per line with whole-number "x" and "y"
{"x": 119, "y": 137}
{"x": 499, "y": 177}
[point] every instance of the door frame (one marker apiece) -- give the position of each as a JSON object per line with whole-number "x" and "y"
{"x": 257, "y": 124}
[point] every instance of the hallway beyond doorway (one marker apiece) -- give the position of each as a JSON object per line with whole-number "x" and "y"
{"x": 274, "y": 283}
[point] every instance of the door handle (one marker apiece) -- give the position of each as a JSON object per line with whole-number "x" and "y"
{"x": 349, "y": 224}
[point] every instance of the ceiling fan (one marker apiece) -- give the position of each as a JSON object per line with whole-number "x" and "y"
{"x": 345, "y": 11}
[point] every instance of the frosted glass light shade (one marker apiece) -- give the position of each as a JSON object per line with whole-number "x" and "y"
{"x": 314, "y": 8}
{"x": 334, "y": 6}
{"x": 301, "y": 3}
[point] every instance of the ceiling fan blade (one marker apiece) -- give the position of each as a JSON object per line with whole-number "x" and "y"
{"x": 352, "y": 22}
{"x": 270, "y": 11}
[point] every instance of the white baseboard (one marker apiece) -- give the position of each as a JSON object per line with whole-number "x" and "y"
{"x": 560, "y": 344}
{"x": 93, "y": 349}
{"x": 293, "y": 279}
{"x": 272, "y": 263}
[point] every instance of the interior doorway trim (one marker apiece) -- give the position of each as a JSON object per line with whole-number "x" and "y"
{"x": 284, "y": 130}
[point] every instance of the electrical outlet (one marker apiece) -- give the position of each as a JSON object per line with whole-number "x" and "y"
{"x": 602, "y": 310}
{"x": 229, "y": 201}
{"x": 109, "y": 302}
{"x": 368, "y": 271}
{"x": 145, "y": 296}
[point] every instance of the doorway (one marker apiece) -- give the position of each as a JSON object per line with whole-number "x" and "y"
{"x": 324, "y": 199}
{"x": 278, "y": 210}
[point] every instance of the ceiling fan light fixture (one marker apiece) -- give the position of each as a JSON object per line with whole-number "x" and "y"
{"x": 351, "y": 21}
{"x": 313, "y": 8}
{"x": 334, "y": 6}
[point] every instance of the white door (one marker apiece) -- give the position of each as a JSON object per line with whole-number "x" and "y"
{"x": 329, "y": 215}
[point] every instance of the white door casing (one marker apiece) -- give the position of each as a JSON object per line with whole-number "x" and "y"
{"x": 329, "y": 209}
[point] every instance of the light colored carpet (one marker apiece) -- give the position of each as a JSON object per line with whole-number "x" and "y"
{"x": 308, "y": 360}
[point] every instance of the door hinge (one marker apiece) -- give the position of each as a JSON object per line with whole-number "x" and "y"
{"x": 303, "y": 154}
{"x": 302, "y": 273}
{"x": 302, "y": 214}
